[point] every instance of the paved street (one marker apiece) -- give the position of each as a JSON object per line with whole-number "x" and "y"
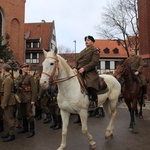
{"x": 48, "y": 139}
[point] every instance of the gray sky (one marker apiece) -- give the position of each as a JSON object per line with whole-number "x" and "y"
{"x": 74, "y": 19}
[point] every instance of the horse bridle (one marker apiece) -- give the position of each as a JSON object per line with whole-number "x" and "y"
{"x": 56, "y": 67}
{"x": 124, "y": 69}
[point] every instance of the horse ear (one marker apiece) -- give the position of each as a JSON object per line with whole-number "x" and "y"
{"x": 55, "y": 51}
{"x": 45, "y": 53}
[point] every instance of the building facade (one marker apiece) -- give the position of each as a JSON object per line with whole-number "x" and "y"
{"x": 144, "y": 36}
{"x": 12, "y": 26}
{"x": 39, "y": 36}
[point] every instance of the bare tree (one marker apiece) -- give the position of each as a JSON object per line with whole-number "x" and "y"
{"x": 120, "y": 23}
{"x": 62, "y": 49}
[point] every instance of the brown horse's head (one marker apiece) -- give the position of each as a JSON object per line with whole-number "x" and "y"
{"x": 121, "y": 69}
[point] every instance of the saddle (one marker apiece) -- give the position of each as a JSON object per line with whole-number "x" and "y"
{"x": 102, "y": 85}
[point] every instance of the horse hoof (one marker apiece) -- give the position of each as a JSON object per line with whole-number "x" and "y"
{"x": 130, "y": 129}
{"x": 141, "y": 117}
{"x": 109, "y": 137}
{"x": 92, "y": 147}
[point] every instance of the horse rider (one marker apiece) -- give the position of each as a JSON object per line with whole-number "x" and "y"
{"x": 28, "y": 93}
{"x": 136, "y": 63}
{"x": 85, "y": 64}
{"x": 8, "y": 102}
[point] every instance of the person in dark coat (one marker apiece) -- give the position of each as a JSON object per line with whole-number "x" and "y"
{"x": 8, "y": 103}
{"x": 85, "y": 64}
{"x": 28, "y": 93}
{"x": 136, "y": 63}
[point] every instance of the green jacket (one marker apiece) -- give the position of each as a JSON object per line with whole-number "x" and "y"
{"x": 8, "y": 93}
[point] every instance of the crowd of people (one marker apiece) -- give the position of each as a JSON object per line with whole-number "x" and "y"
{"x": 21, "y": 114}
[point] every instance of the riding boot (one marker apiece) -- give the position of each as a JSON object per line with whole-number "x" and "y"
{"x": 47, "y": 119}
{"x": 36, "y": 112}
{"x": 94, "y": 98}
{"x": 25, "y": 126}
{"x": 31, "y": 132}
{"x": 59, "y": 123}
{"x": 39, "y": 116}
{"x": 1, "y": 125}
{"x": 78, "y": 119}
{"x": 54, "y": 124}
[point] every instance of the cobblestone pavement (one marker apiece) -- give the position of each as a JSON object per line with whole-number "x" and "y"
{"x": 48, "y": 139}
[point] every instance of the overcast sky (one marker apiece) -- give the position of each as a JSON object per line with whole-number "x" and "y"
{"x": 74, "y": 19}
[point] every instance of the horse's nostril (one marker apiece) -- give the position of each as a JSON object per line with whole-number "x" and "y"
{"x": 44, "y": 81}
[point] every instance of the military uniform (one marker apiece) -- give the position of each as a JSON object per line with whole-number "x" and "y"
{"x": 89, "y": 59}
{"x": 53, "y": 107}
{"x": 44, "y": 100}
{"x": 28, "y": 93}
{"x": 136, "y": 63}
{"x": 38, "y": 109}
{"x": 8, "y": 102}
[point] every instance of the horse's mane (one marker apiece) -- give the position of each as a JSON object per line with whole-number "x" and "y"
{"x": 64, "y": 64}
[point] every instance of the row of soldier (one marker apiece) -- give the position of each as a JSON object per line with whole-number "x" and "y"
{"x": 31, "y": 96}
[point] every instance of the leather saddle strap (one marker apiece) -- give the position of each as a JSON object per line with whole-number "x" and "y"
{"x": 82, "y": 85}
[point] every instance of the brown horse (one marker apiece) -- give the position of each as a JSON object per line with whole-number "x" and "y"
{"x": 131, "y": 90}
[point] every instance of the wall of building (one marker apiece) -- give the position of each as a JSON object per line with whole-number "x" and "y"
{"x": 144, "y": 36}
{"x": 13, "y": 25}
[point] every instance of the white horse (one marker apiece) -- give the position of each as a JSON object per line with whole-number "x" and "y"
{"x": 72, "y": 100}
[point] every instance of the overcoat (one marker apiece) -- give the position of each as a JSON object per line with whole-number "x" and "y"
{"x": 88, "y": 58}
{"x": 8, "y": 97}
{"x": 136, "y": 63}
{"x": 27, "y": 82}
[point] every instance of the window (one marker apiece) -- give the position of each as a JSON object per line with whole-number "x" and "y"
{"x": 35, "y": 44}
{"x": 53, "y": 37}
{"x": 32, "y": 58}
{"x": 116, "y": 63}
{"x": 107, "y": 64}
{"x": 115, "y": 50}
{"x": 99, "y": 65}
{"x": 106, "y": 50}
{"x": 28, "y": 44}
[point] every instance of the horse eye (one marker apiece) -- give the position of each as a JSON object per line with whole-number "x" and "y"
{"x": 51, "y": 64}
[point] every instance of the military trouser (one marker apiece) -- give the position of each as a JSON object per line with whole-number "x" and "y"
{"x": 44, "y": 105}
{"x": 26, "y": 111}
{"x": 54, "y": 109}
{"x": 8, "y": 116}
{"x": 1, "y": 113}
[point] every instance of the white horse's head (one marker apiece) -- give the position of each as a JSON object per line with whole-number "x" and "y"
{"x": 50, "y": 68}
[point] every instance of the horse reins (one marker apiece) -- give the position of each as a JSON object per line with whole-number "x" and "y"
{"x": 54, "y": 80}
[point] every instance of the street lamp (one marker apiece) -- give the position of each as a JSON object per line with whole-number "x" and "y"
{"x": 75, "y": 48}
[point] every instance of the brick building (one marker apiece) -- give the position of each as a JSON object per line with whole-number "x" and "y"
{"x": 144, "y": 35}
{"x": 12, "y": 25}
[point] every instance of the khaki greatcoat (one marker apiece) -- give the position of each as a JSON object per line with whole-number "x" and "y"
{"x": 89, "y": 59}
{"x": 8, "y": 102}
{"x": 136, "y": 63}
